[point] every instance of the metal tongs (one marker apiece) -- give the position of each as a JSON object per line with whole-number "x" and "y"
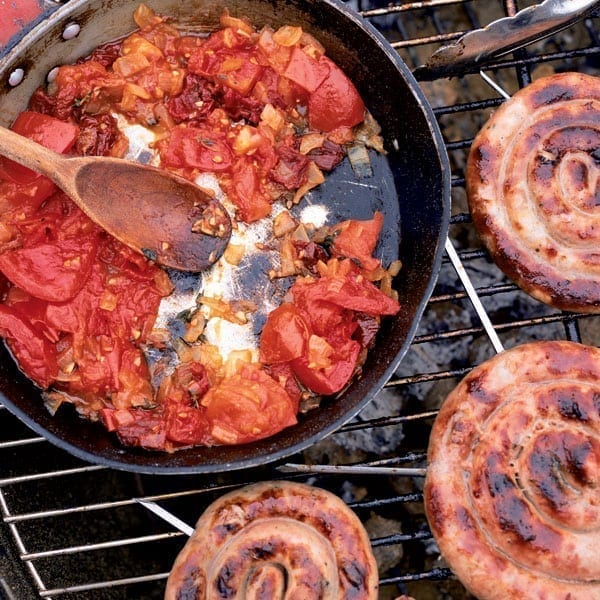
{"x": 476, "y": 48}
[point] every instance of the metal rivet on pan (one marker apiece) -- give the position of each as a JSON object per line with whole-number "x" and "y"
{"x": 71, "y": 31}
{"x": 52, "y": 75}
{"x": 16, "y": 77}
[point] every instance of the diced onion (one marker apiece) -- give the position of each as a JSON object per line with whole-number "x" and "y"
{"x": 311, "y": 141}
{"x": 315, "y": 178}
{"x": 238, "y": 25}
{"x": 288, "y": 35}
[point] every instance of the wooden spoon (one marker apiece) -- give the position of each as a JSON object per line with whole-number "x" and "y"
{"x": 165, "y": 217}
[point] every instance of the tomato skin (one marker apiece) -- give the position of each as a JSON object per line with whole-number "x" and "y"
{"x": 335, "y": 102}
{"x": 325, "y": 317}
{"x": 45, "y": 130}
{"x": 284, "y": 375}
{"x": 53, "y": 271}
{"x": 361, "y": 295}
{"x": 352, "y": 292}
{"x": 248, "y": 406}
{"x": 245, "y": 192}
{"x": 291, "y": 170}
{"x": 36, "y": 355}
{"x": 284, "y": 335}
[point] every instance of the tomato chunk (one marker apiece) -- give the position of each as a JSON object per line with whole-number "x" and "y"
{"x": 54, "y": 271}
{"x": 357, "y": 239}
{"x": 352, "y": 292}
{"x": 284, "y": 335}
{"x": 335, "y": 102}
{"x": 198, "y": 148}
{"x": 45, "y": 130}
{"x": 36, "y": 355}
{"x": 329, "y": 380}
{"x": 248, "y": 406}
{"x": 305, "y": 70}
{"x": 246, "y": 194}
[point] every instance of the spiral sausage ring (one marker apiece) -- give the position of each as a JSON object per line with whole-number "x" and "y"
{"x": 276, "y": 540}
{"x": 533, "y": 185}
{"x": 512, "y": 492}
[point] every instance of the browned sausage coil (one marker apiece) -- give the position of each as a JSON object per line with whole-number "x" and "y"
{"x": 276, "y": 540}
{"x": 512, "y": 492}
{"x": 533, "y": 184}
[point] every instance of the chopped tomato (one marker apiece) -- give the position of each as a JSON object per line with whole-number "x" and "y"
{"x": 335, "y": 102}
{"x": 186, "y": 425}
{"x": 240, "y": 72}
{"x": 353, "y": 292}
{"x": 78, "y": 308}
{"x": 322, "y": 332}
{"x": 357, "y": 239}
{"x": 331, "y": 379}
{"x": 18, "y": 201}
{"x": 305, "y": 70}
{"x": 185, "y": 420}
{"x": 198, "y": 148}
{"x": 137, "y": 427}
{"x": 36, "y": 355}
{"x": 284, "y": 335}
{"x": 248, "y": 406}
{"x": 53, "y": 271}
{"x": 45, "y": 130}
{"x": 245, "y": 192}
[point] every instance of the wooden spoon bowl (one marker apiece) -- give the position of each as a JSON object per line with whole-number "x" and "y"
{"x": 165, "y": 217}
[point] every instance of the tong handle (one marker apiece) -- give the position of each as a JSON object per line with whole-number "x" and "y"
{"x": 500, "y": 37}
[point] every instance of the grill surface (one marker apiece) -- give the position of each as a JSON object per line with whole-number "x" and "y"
{"x": 72, "y": 530}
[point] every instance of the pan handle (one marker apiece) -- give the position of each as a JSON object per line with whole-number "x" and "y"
{"x": 500, "y": 37}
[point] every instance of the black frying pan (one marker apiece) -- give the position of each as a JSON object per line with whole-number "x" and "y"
{"x": 411, "y": 184}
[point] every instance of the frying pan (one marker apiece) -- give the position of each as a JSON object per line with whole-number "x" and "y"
{"x": 410, "y": 184}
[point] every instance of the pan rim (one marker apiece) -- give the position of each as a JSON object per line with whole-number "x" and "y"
{"x": 62, "y": 15}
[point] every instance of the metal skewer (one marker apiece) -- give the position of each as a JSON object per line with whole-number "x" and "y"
{"x": 351, "y": 470}
{"x": 459, "y": 267}
{"x": 472, "y": 293}
{"x": 165, "y": 515}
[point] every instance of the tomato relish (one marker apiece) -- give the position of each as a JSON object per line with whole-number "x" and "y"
{"x": 266, "y": 113}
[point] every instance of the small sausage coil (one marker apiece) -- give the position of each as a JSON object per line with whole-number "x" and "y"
{"x": 512, "y": 492}
{"x": 276, "y": 540}
{"x": 533, "y": 186}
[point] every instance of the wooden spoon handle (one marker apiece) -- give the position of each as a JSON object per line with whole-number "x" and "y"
{"x": 38, "y": 158}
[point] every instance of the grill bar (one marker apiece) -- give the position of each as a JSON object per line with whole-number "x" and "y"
{"x": 101, "y": 585}
{"x": 31, "y": 556}
{"x": 69, "y": 499}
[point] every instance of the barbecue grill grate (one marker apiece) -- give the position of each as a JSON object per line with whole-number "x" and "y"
{"x": 75, "y": 531}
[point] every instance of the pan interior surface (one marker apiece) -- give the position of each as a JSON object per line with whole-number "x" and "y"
{"x": 410, "y": 184}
